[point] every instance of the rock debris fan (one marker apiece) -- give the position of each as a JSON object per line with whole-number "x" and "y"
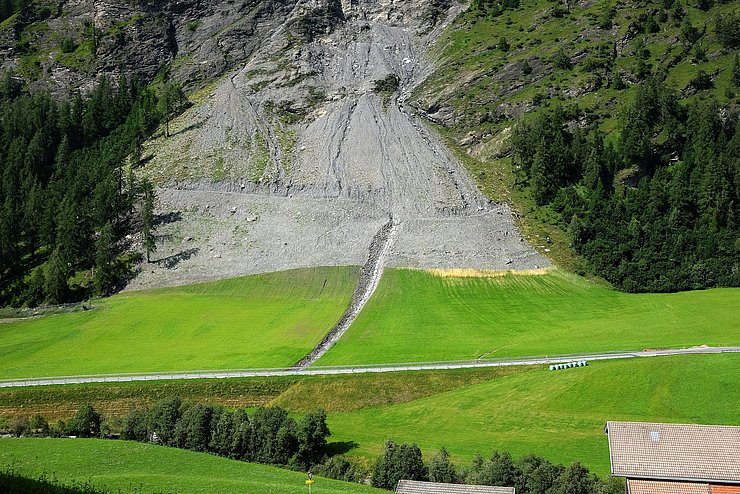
{"x": 298, "y": 158}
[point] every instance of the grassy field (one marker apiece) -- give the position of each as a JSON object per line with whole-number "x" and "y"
{"x": 420, "y": 316}
{"x": 269, "y": 320}
{"x": 143, "y": 468}
{"x": 559, "y": 415}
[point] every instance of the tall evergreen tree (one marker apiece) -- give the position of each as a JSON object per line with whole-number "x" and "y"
{"x": 147, "y": 210}
{"x": 104, "y": 257}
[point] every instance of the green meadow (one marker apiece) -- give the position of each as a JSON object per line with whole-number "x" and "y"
{"x": 559, "y": 415}
{"x": 145, "y": 468}
{"x": 527, "y": 409}
{"x": 420, "y": 316}
{"x": 269, "y": 320}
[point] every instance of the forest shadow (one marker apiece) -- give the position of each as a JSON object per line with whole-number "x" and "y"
{"x": 175, "y": 259}
{"x": 167, "y": 218}
{"x": 340, "y": 447}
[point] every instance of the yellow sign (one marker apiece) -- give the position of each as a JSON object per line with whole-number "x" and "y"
{"x": 309, "y": 482}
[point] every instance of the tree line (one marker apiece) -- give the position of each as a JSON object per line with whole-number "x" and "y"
{"x": 67, "y": 188}
{"x": 266, "y": 435}
{"x": 269, "y": 435}
{"x": 529, "y": 474}
{"x": 656, "y": 209}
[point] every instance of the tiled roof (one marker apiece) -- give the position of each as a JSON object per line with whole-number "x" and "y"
{"x": 675, "y": 451}
{"x": 725, "y": 489}
{"x": 662, "y": 487}
{"x": 414, "y": 487}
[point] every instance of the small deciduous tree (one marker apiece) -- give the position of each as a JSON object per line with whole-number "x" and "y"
{"x": 135, "y": 426}
{"x": 398, "y": 461}
{"x": 163, "y": 419}
{"x": 312, "y": 434}
{"x": 86, "y": 423}
{"x": 441, "y": 468}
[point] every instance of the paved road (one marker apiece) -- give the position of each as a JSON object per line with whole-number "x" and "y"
{"x": 358, "y": 369}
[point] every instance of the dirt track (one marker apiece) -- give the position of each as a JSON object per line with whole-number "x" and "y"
{"x": 245, "y": 189}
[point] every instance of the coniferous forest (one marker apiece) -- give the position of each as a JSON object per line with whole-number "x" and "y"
{"x": 655, "y": 210}
{"x": 68, "y": 194}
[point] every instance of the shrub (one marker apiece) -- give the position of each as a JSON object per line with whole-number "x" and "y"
{"x": 398, "y": 461}
{"x": 67, "y": 45}
{"x": 562, "y": 60}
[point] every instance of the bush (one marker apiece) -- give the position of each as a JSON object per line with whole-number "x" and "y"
{"x": 67, "y": 45}
{"x": 526, "y": 68}
{"x": 340, "y": 468}
{"x": 727, "y": 27}
{"x": 399, "y": 461}
{"x": 562, "y": 60}
{"x": 702, "y": 81}
{"x": 388, "y": 85}
{"x": 86, "y": 423}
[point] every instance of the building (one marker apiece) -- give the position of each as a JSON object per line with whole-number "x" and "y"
{"x": 675, "y": 458}
{"x": 414, "y": 487}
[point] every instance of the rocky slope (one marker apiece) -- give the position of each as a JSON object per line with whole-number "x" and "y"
{"x": 304, "y": 153}
{"x": 304, "y": 150}
{"x": 198, "y": 40}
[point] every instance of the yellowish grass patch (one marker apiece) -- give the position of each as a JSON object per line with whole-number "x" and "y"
{"x": 487, "y": 273}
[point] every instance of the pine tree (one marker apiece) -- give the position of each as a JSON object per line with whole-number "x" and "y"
{"x": 169, "y": 99}
{"x": 147, "y": 210}
{"x": 57, "y": 273}
{"x": 104, "y": 258}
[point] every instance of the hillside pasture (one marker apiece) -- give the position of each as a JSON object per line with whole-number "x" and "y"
{"x": 269, "y": 320}
{"x": 124, "y": 466}
{"x": 559, "y": 415}
{"x": 556, "y": 414}
{"x": 419, "y": 316}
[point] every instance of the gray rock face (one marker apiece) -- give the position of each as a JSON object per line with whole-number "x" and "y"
{"x": 300, "y": 156}
{"x": 200, "y": 39}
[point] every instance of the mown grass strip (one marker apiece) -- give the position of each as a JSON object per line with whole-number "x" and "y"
{"x": 421, "y": 316}
{"x": 116, "y": 400}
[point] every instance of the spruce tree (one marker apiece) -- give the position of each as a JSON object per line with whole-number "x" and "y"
{"x": 104, "y": 257}
{"x": 57, "y": 273}
{"x": 150, "y": 245}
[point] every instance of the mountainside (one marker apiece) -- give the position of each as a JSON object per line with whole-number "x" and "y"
{"x": 302, "y": 155}
{"x": 65, "y": 45}
{"x": 612, "y": 126}
{"x": 307, "y": 136}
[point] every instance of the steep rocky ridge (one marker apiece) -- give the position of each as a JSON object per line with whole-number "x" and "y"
{"x": 301, "y": 155}
{"x": 199, "y": 40}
